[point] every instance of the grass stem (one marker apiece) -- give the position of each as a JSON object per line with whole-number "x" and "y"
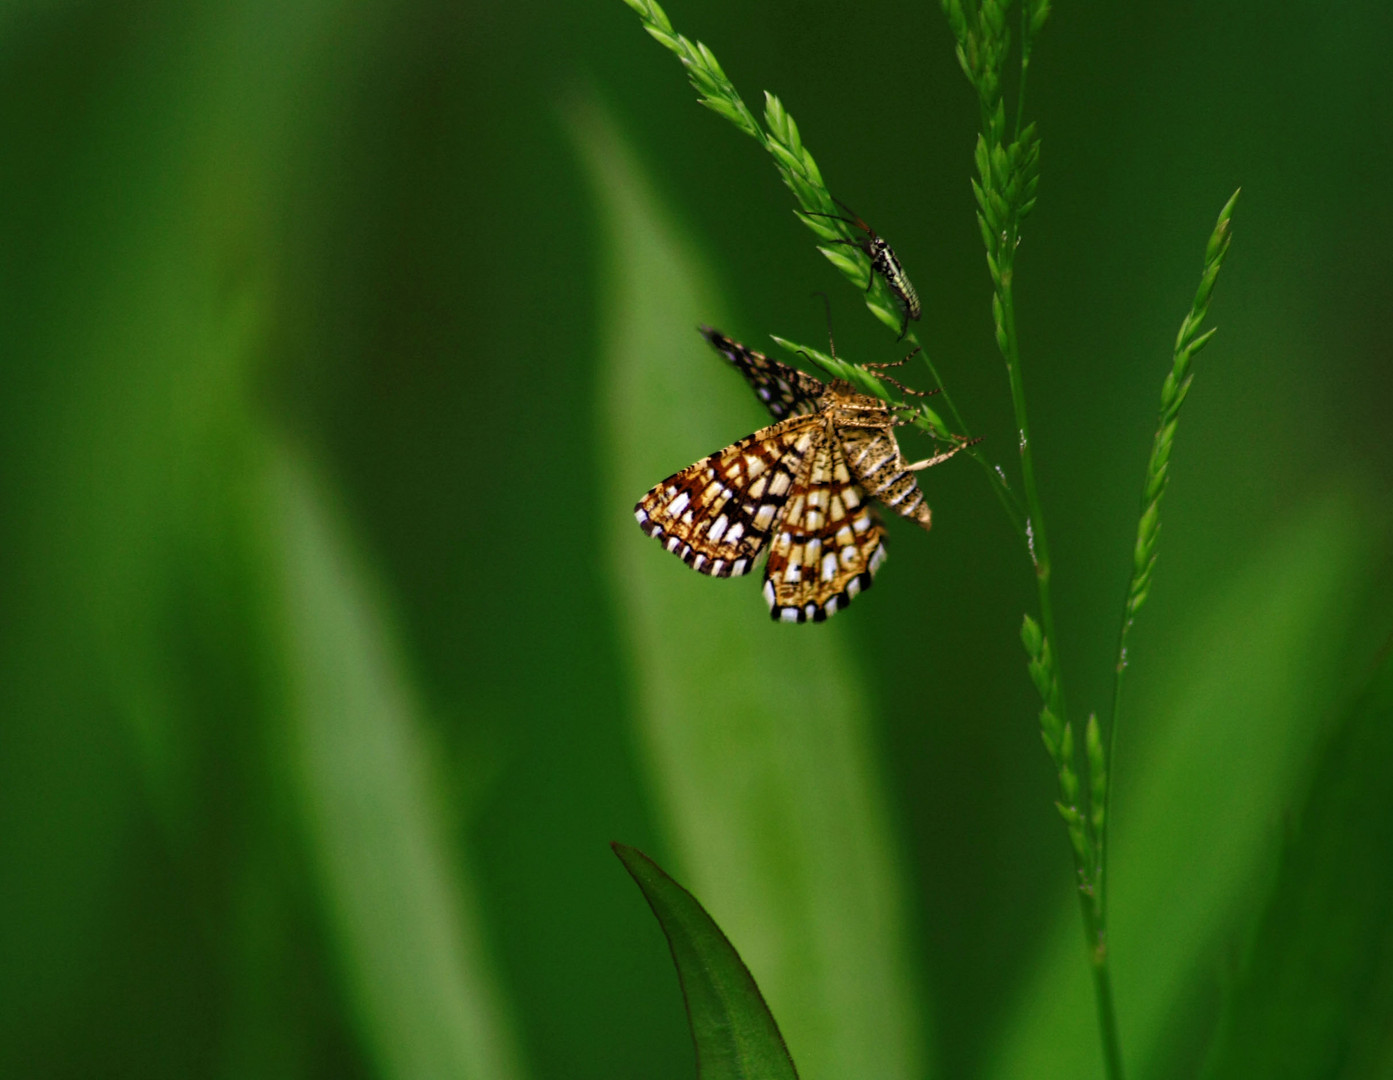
{"x": 1189, "y": 341}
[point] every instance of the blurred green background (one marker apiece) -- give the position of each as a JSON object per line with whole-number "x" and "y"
{"x": 338, "y": 340}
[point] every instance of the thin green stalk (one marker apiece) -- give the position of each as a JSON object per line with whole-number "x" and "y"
{"x": 1005, "y": 186}
{"x": 1188, "y": 342}
{"x": 1033, "y": 16}
{"x": 1085, "y": 844}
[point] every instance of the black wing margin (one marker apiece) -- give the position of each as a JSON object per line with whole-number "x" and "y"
{"x": 785, "y": 390}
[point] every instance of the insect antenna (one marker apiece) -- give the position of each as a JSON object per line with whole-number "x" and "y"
{"x": 827, "y": 310}
{"x": 855, "y": 218}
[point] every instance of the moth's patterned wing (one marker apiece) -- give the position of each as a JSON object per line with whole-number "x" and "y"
{"x": 785, "y": 390}
{"x": 716, "y": 515}
{"x": 877, "y": 464}
{"x": 828, "y": 544}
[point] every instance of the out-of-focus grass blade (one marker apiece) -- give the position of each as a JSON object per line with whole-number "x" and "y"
{"x": 1315, "y": 996}
{"x": 401, "y": 910}
{"x": 736, "y": 1037}
{"x": 754, "y": 735}
{"x": 1198, "y": 805}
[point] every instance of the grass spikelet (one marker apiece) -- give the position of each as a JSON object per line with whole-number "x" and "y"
{"x": 1188, "y": 342}
{"x": 918, "y": 413}
{"x": 798, "y": 169}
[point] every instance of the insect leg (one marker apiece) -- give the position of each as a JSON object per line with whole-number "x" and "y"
{"x": 938, "y": 459}
{"x": 903, "y": 388}
{"x": 881, "y": 367}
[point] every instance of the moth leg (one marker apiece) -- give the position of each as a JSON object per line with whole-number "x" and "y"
{"x": 939, "y": 459}
{"x": 881, "y": 367}
{"x": 896, "y": 382}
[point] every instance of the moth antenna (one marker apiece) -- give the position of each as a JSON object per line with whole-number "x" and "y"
{"x": 827, "y": 310}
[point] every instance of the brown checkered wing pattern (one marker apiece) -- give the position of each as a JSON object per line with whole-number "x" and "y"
{"x": 828, "y": 544}
{"x": 716, "y": 515}
{"x": 785, "y": 390}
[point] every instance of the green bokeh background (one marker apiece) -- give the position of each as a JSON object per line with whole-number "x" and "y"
{"x": 320, "y": 690}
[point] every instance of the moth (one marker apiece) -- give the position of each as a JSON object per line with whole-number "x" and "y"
{"x": 883, "y": 262}
{"x": 800, "y": 489}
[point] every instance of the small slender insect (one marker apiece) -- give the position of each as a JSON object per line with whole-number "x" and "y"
{"x": 883, "y": 262}
{"x": 799, "y": 488}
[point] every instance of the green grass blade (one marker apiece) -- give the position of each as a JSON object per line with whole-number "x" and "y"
{"x": 1317, "y": 986}
{"x": 735, "y": 1035}
{"x": 399, "y": 908}
{"x": 1221, "y": 751}
{"x": 755, "y": 737}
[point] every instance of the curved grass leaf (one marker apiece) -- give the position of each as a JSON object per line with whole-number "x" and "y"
{"x": 399, "y": 909}
{"x": 1197, "y": 805}
{"x": 1316, "y": 992}
{"x": 735, "y": 1035}
{"x": 754, "y": 736}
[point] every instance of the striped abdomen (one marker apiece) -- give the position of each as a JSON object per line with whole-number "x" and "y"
{"x": 885, "y": 263}
{"x": 874, "y": 457}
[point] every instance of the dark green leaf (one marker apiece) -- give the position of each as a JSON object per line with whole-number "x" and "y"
{"x": 1316, "y": 991}
{"x": 735, "y": 1034}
